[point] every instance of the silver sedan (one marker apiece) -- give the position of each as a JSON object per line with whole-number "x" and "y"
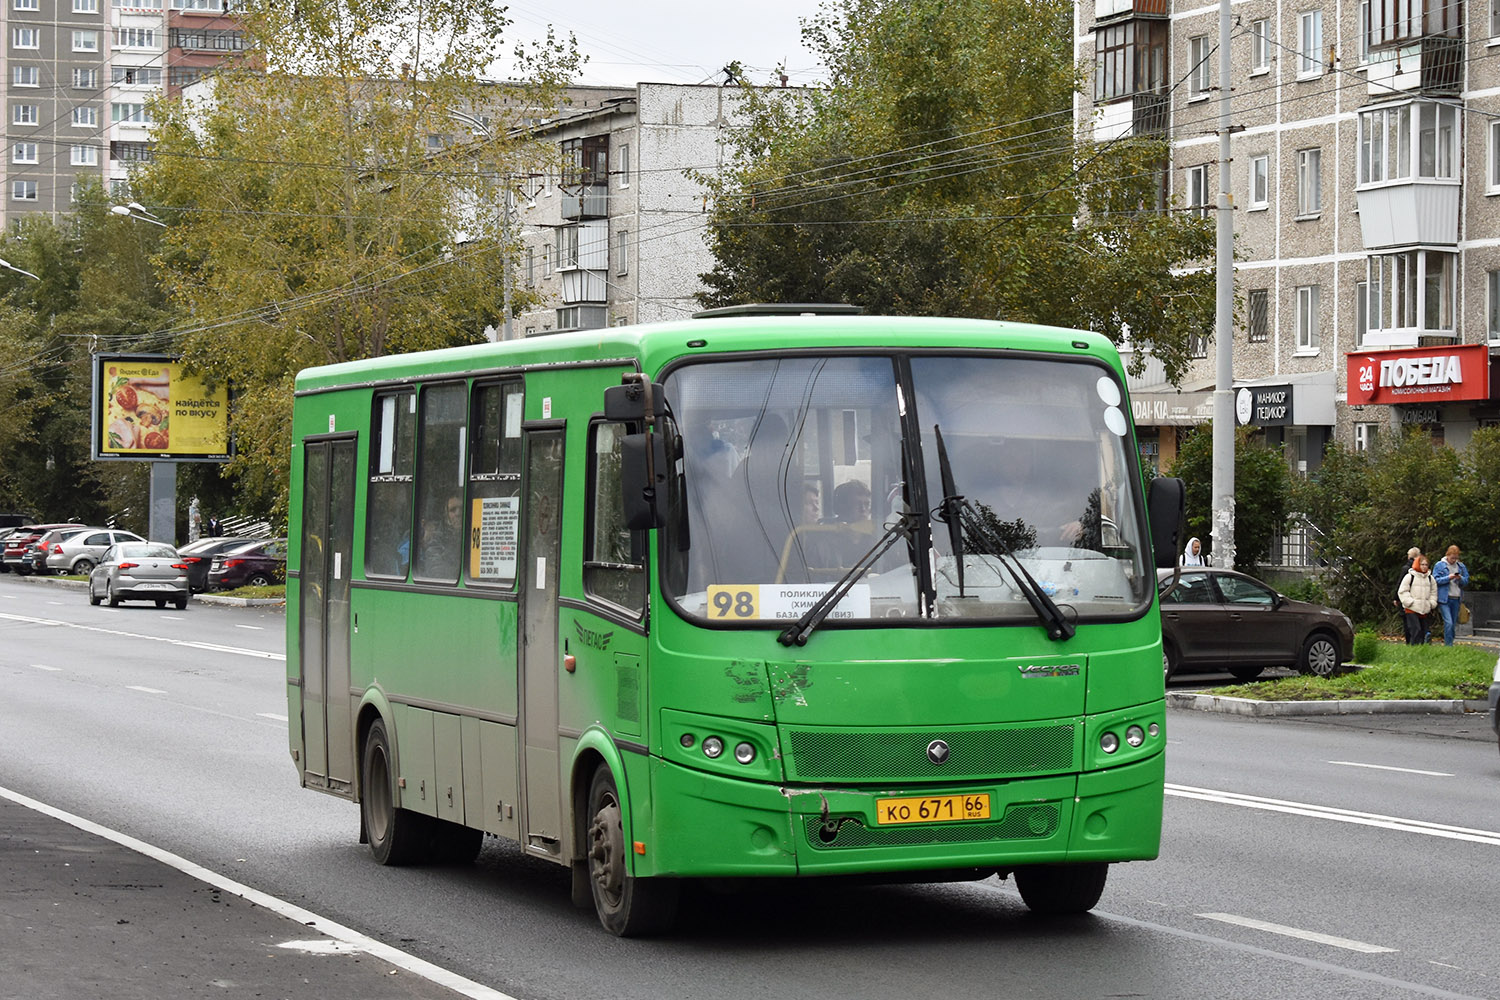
{"x": 140, "y": 571}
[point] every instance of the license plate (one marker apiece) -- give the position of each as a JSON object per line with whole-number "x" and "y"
{"x": 933, "y": 809}
{"x": 154, "y": 586}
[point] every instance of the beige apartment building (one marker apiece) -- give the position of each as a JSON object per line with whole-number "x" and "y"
{"x": 1365, "y": 177}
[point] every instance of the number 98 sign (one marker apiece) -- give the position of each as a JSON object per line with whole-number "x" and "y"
{"x": 734, "y": 603}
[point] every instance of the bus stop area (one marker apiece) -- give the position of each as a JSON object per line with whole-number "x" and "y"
{"x": 84, "y": 917}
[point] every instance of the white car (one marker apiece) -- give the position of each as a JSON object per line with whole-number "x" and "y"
{"x": 140, "y": 571}
{"x": 80, "y": 553}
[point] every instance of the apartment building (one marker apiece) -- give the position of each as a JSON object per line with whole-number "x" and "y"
{"x": 616, "y": 235}
{"x": 79, "y": 75}
{"x": 1365, "y": 178}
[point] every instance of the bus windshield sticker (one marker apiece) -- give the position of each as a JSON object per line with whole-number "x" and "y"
{"x": 782, "y": 601}
{"x": 492, "y": 544}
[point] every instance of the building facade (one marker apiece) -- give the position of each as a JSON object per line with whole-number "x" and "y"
{"x": 1365, "y": 180}
{"x": 79, "y": 76}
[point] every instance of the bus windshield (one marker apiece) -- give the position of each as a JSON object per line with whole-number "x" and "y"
{"x": 795, "y": 467}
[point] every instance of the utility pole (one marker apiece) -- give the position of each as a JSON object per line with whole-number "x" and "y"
{"x": 1221, "y": 531}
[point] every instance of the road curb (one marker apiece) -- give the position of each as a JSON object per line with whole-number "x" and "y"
{"x": 233, "y": 602}
{"x": 1194, "y": 702}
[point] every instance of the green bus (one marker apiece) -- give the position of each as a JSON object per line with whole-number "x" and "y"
{"x": 765, "y": 593}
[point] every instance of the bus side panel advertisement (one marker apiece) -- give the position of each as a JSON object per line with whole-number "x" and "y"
{"x": 147, "y": 407}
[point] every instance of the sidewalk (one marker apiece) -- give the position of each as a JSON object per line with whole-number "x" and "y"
{"x": 86, "y": 918}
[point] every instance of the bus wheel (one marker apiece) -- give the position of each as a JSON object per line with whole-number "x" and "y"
{"x": 1061, "y": 889}
{"x": 627, "y": 906}
{"x": 397, "y": 836}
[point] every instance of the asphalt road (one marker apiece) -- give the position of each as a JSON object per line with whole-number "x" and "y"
{"x": 1300, "y": 858}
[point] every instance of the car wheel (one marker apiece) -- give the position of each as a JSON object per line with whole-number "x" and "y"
{"x": 109, "y": 594}
{"x": 1050, "y": 890}
{"x": 82, "y": 567}
{"x": 258, "y": 580}
{"x": 1171, "y": 660}
{"x": 93, "y": 597}
{"x": 1320, "y": 656}
{"x": 182, "y": 603}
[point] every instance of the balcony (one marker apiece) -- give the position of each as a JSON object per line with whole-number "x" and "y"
{"x": 1113, "y": 8}
{"x": 585, "y": 201}
{"x": 1418, "y": 213}
{"x": 1433, "y": 65}
{"x": 1138, "y": 115}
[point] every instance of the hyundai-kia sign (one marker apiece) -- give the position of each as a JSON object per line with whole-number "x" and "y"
{"x": 1420, "y": 375}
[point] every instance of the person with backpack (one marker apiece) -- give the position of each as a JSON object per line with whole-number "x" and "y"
{"x": 1411, "y": 560}
{"x": 1419, "y": 595}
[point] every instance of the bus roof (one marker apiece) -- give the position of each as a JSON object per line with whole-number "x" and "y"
{"x": 652, "y": 345}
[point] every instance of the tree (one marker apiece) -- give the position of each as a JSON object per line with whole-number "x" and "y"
{"x": 938, "y": 173}
{"x": 311, "y": 219}
{"x": 1262, "y": 489}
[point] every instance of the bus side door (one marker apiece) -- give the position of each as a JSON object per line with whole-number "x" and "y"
{"x": 538, "y": 573}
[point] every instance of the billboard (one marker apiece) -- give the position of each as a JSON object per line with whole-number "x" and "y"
{"x": 1445, "y": 374}
{"x": 146, "y": 407}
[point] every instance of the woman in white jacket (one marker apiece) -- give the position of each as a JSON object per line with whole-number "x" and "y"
{"x": 1193, "y": 554}
{"x": 1419, "y": 596}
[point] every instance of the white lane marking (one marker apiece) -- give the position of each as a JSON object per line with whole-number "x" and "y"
{"x": 56, "y": 604}
{"x": 1387, "y": 767}
{"x": 271, "y": 715}
{"x": 1297, "y": 932}
{"x": 372, "y": 947}
{"x": 171, "y": 618}
{"x": 210, "y": 646}
{"x": 1490, "y": 837}
{"x": 43, "y": 666}
{"x": 143, "y": 690}
{"x": 255, "y": 627}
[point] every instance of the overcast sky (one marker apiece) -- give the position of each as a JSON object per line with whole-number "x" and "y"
{"x": 669, "y": 41}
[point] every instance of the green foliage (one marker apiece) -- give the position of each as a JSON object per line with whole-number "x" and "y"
{"x": 1366, "y": 646}
{"x": 938, "y": 173}
{"x": 1307, "y": 589}
{"x": 1262, "y": 491}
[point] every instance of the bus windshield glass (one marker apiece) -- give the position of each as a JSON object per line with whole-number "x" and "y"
{"x": 795, "y": 467}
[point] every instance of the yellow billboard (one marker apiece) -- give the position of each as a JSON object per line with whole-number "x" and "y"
{"x": 148, "y": 407}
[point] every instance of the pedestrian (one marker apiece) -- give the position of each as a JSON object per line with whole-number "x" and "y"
{"x": 215, "y": 529}
{"x": 1451, "y": 577}
{"x": 1418, "y": 598}
{"x": 1193, "y": 554}
{"x": 1411, "y": 560}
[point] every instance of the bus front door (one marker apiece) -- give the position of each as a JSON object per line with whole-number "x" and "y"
{"x": 539, "y": 661}
{"x": 327, "y": 544}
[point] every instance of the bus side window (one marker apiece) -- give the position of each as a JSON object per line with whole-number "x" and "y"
{"x": 494, "y": 483}
{"x": 614, "y": 563}
{"x": 440, "y": 485}
{"x": 392, "y": 451}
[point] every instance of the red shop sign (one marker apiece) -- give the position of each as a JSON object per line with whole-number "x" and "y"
{"x": 1419, "y": 375}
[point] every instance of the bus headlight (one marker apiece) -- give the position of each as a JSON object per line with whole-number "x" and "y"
{"x": 1109, "y": 743}
{"x": 1135, "y": 736}
{"x": 712, "y": 747}
{"x": 744, "y": 753}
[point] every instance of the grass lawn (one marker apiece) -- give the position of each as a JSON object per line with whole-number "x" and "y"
{"x": 1395, "y": 672}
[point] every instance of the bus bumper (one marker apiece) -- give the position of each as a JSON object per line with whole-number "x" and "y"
{"x": 721, "y": 827}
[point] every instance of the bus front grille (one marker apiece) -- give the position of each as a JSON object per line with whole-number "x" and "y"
{"x": 1033, "y": 821}
{"x": 902, "y": 755}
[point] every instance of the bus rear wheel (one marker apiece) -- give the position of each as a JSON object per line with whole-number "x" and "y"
{"x": 397, "y": 836}
{"x": 627, "y": 906}
{"x": 1051, "y": 890}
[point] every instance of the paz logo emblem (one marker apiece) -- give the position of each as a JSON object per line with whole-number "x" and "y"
{"x": 937, "y": 752}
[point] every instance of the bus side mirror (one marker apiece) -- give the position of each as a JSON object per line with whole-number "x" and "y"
{"x": 1164, "y": 503}
{"x": 628, "y": 401}
{"x": 643, "y": 499}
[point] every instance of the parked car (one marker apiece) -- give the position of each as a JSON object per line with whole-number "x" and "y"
{"x": 199, "y": 556}
{"x": 140, "y": 571}
{"x": 79, "y": 552}
{"x": 36, "y": 555}
{"x": 1217, "y": 619}
{"x": 22, "y": 539}
{"x": 256, "y": 564}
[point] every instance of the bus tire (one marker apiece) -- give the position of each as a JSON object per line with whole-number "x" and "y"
{"x": 1052, "y": 890}
{"x": 627, "y": 906}
{"x": 397, "y": 836}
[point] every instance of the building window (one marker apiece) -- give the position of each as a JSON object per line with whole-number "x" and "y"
{"x": 24, "y": 114}
{"x": 26, "y": 5}
{"x": 1310, "y": 52}
{"x": 1364, "y": 32}
{"x": 84, "y": 156}
{"x": 622, "y": 157}
{"x": 1495, "y": 18}
{"x": 136, "y": 76}
{"x": 23, "y": 152}
{"x": 26, "y": 38}
{"x": 1492, "y": 283}
{"x": 1361, "y": 312}
{"x": 1309, "y": 182}
{"x": 26, "y": 76}
{"x": 1494, "y": 172}
{"x": 207, "y": 40}
{"x": 135, "y": 38}
{"x": 23, "y": 190}
{"x": 567, "y": 246}
{"x": 129, "y": 112}
{"x": 85, "y": 6}
{"x": 86, "y": 117}
{"x": 1307, "y": 319}
{"x": 1197, "y": 182}
{"x": 1365, "y": 436}
{"x": 622, "y": 252}
{"x": 546, "y": 260}
{"x": 1260, "y": 315}
{"x": 86, "y": 79}
{"x": 85, "y": 41}
{"x": 1131, "y": 58}
{"x": 1260, "y": 181}
{"x": 1415, "y": 291}
{"x": 530, "y": 268}
{"x": 1260, "y": 46}
{"x": 184, "y": 76}
{"x": 119, "y": 188}
{"x": 1198, "y": 77}
{"x": 130, "y": 152}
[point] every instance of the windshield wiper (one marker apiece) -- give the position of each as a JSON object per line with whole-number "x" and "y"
{"x": 905, "y": 526}
{"x": 961, "y": 516}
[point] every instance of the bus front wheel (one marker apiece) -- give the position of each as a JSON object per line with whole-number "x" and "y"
{"x": 397, "y": 836}
{"x": 1061, "y": 889}
{"x": 627, "y": 906}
